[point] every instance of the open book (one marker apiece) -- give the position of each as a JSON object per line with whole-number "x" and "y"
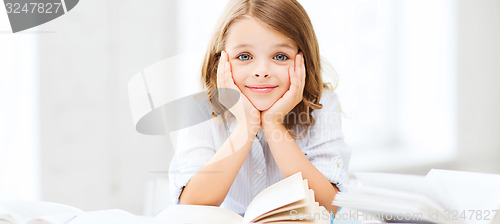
{"x": 442, "y": 196}
{"x": 285, "y": 201}
{"x": 289, "y": 200}
{"x": 38, "y": 212}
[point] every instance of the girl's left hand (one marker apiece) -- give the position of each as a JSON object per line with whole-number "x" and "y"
{"x": 292, "y": 97}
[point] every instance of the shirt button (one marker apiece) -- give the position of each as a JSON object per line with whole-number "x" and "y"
{"x": 259, "y": 171}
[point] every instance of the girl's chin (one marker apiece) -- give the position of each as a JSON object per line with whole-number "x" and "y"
{"x": 263, "y": 106}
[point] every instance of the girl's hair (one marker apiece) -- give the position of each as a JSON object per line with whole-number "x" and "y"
{"x": 288, "y": 18}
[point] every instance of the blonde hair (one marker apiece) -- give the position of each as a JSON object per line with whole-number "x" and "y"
{"x": 289, "y": 18}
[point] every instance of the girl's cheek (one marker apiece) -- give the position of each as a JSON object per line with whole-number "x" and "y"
{"x": 285, "y": 73}
{"x": 238, "y": 75}
{"x": 287, "y": 77}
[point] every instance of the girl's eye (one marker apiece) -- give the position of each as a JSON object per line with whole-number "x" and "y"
{"x": 244, "y": 57}
{"x": 280, "y": 57}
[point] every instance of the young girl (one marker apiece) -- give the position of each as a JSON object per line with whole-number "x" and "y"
{"x": 286, "y": 120}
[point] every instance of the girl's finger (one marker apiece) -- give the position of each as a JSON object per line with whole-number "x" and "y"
{"x": 299, "y": 74}
{"x": 294, "y": 82}
{"x": 223, "y": 68}
{"x": 228, "y": 75}
{"x": 226, "y": 58}
{"x": 296, "y": 73}
{"x": 219, "y": 73}
{"x": 293, "y": 79}
{"x": 302, "y": 71}
{"x": 227, "y": 71}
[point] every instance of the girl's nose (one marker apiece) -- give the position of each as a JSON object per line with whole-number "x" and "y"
{"x": 261, "y": 69}
{"x": 257, "y": 75}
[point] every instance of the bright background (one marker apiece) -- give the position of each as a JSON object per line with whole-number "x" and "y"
{"x": 418, "y": 84}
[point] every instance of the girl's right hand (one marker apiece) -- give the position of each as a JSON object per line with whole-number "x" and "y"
{"x": 244, "y": 111}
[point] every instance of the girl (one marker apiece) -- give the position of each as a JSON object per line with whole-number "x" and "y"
{"x": 286, "y": 120}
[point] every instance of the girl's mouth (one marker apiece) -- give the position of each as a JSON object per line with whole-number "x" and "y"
{"x": 261, "y": 89}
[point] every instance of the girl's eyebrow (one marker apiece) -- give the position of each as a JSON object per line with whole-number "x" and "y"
{"x": 275, "y": 46}
{"x": 284, "y": 45}
{"x": 242, "y": 46}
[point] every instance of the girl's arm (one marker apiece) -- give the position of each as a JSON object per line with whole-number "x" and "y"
{"x": 290, "y": 160}
{"x": 288, "y": 156}
{"x": 212, "y": 183}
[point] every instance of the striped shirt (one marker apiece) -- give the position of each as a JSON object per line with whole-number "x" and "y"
{"x": 323, "y": 146}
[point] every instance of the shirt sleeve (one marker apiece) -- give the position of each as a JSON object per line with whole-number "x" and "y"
{"x": 194, "y": 146}
{"x": 325, "y": 146}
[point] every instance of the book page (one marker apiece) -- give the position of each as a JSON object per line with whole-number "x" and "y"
{"x": 311, "y": 211}
{"x": 284, "y": 192}
{"x": 54, "y": 219}
{"x": 385, "y": 201}
{"x": 24, "y": 211}
{"x": 414, "y": 184}
{"x": 285, "y": 215}
{"x": 325, "y": 215}
{"x": 199, "y": 214}
{"x": 408, "y": 196}
{"x": 393, "y": 181}
{"x": 112, "y": 216}
{"x": 8, "y": 218}
{"x": 305, "y": 206}
{"x": 319, "y": 216}
{"x": 306, "y": 202}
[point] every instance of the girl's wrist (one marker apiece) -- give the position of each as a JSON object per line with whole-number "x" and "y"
{"x": 247, "y": 130}
{"x": 272, "y": 119}
{"x": 272, "y": 127}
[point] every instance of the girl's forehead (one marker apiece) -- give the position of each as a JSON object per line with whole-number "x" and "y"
{"x": 249, "y": 32}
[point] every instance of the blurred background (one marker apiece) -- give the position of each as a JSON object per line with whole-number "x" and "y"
{"x": 417, "y": 80}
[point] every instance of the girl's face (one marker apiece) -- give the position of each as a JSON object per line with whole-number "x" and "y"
{"x": 260, "y": 58}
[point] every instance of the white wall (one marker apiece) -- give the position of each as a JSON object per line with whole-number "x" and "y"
{"x": 478, "y": 85}
{"x": 19, "y": 131}
{"x": 92, "y": 157}
{"x": 478, "y": 93}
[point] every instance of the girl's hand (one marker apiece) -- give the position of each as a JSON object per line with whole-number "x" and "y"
{"x": 292, "y": 97}
{"x": 247, "y": 115}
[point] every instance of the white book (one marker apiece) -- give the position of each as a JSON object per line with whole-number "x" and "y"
{"x": 442, "y": 196}
{"x": 287, "y": 201}
{"x": 25, "y": 211}
{"x": 38, "y": 212}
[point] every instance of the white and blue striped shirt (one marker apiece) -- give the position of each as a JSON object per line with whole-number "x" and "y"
{"x": 323, "y": 146}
